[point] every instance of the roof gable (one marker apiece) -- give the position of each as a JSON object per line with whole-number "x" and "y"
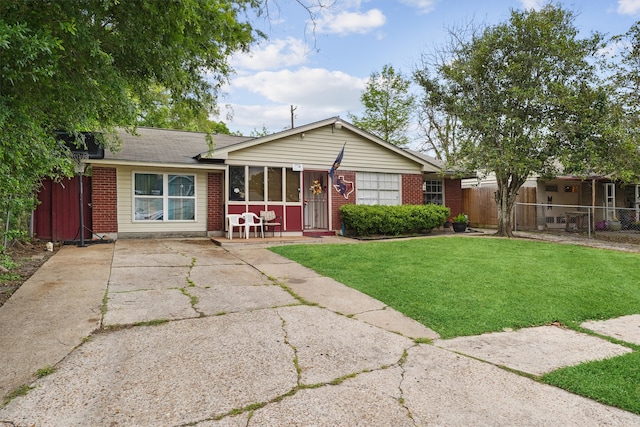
{"x": 316, "y": 145}
{"x": 319, "y": 136}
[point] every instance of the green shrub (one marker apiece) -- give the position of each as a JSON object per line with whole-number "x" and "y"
{"x": 6, "y": 261}
{"x": 367, "y": 220}
{"x": 460, "y": 218}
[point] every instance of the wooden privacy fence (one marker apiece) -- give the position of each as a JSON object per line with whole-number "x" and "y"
{"x": 479, "y": 204}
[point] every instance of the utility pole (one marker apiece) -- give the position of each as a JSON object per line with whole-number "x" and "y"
{"x": 292, "y": 110}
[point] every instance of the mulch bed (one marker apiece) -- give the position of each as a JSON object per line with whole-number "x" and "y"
{"x": 28, "y": 257}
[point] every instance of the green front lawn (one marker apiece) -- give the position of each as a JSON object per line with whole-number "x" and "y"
{"x": 614, "y": 381}
{"x": 467, "y": 286}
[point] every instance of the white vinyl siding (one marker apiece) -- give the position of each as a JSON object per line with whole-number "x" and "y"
{"x": 318, "y": 150}
{"x": 377, "y": 188}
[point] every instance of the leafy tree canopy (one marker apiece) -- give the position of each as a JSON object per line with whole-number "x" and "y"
{"x": 388, "y": 106}
{"x": 257, "y": 133}
{"x": 159, "y": 110}
{"x": 528, "y": 98}
{"x": 94, "y": 64}
{"x": 626, "y": 84}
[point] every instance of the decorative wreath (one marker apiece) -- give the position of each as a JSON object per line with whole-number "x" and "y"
{"x": 316, "y": 187}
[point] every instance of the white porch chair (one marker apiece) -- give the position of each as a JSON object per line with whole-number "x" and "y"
{"x": 253, "y": 220}
{"x": 234, "y": 220}
{"x": 269, "y": 219}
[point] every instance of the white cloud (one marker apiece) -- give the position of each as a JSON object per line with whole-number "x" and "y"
{"x": 613, "y": 49}
{"x": 628, "y": 7}
{"x": 277, "y": 117}
{"x": 533, "y": 4}
{"x": 344, "y": 22}
{"x": 304, "y": 86}
{"x": 423, "y": 6}
{"x": 247, "y": 118}
{"x": 316, "y": 93}
{"x": 276, "y": 54}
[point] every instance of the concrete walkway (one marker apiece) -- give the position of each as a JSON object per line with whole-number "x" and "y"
{"x": 51, "y": 313}
{"x": 196, "y": 334}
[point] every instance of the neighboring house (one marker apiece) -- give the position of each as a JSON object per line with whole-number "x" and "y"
{"x": 558, "y": 200}
{"x": 167, "y": 182}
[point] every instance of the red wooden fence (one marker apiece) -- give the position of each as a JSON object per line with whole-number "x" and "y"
{"x": 57, "y": 218}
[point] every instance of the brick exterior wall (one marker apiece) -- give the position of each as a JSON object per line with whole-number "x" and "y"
{"x": 105, "y": 200}
{"x": 215, "y": 202}
{"x": 104, "y": 210}
{"x": 412, "y": 190}
{"x": 453, "y": 195}
{"x": 411, "y": 194}
{"x": 338, "y": 199}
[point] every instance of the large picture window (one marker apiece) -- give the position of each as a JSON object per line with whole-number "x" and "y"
{"x": 378, "y": 188}
{"x": 164, "y": 197}
{"x": 433, "y": 192}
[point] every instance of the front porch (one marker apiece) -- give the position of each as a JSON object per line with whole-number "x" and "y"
{"x": 225, "y": 242}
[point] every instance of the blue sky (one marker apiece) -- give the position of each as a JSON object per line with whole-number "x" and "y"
{"x": 323, "y": 74}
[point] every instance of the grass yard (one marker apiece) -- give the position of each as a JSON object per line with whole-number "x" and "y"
{"x": 614, "y": 381}
{"x": 468, "y": 286}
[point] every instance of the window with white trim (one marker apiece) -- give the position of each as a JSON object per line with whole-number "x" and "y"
{"x": 164, "y": 197}
{"x": 378, "y": 188}
{"x": 432, "y": 189}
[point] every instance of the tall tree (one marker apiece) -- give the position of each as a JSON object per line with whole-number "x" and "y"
{"x": 528, "y": 97}
{"x": 438, "y": 128}
{"x": 159, "y": 110}
{"x": 388, "y": 106}
{"x": 90, "y": 65}
{"x": 626, "y": 81}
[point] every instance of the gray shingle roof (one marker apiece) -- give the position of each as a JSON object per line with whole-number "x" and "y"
{"x": 427, "y": 158}
{"x": 151, "y": 145}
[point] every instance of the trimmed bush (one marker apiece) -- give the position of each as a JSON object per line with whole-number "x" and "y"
{"x": 368, "y": 220}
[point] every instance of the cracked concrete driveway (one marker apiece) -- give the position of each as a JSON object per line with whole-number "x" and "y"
{"x": 195, "y": 334}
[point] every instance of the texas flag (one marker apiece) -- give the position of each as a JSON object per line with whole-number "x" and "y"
{"x": 336, "y": 164}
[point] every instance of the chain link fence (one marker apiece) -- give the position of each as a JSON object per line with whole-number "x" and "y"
{"x": 585, "y": 220}
{"x": 15, "y": 216}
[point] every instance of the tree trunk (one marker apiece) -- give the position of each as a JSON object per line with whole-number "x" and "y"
{"x": 506, "y": 199}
